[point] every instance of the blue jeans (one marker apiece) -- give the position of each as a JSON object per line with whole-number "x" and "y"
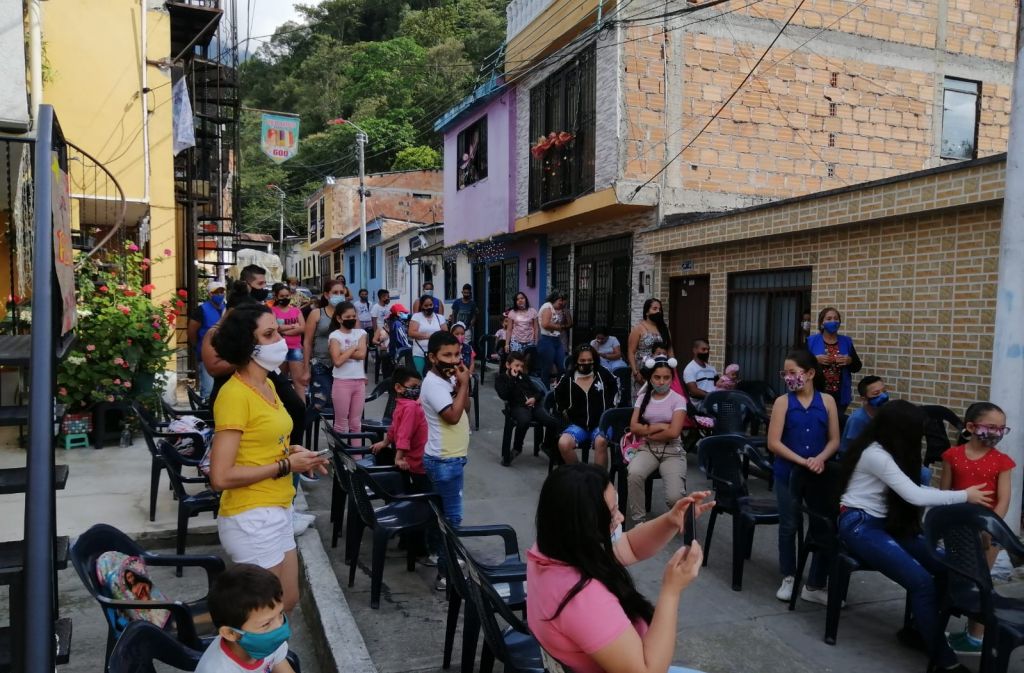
{"x": 205, "y": 382}
{"x": 909, "y": 563}
{"x": 321, "y": 381}
{"x": 447, "y": 475}
{"x": 790, "y": 521}
{"x": 550, "y": 351}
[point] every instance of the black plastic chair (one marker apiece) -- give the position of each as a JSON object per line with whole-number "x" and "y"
{"x": 399, "y": 514}
{"x": 189, "y": 504}
{"x": 736, "y": 413}
{"x": 721, "y": 456}
{"x": 152, "y": 431}
{"x": 614, "y": 424}
{"x": 341, "y": 443}
{"x": 172, "y": 412}
{"x": 762, "y": 394}
{"x": 380, "y": 427}
{"x": 195, "y": 400}
{"x": 936, "y": 436}
{"x": 968, "y": 587}
{"x": 102, "y": 538}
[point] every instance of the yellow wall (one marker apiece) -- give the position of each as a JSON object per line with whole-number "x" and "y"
{"x": 93, "y": 47}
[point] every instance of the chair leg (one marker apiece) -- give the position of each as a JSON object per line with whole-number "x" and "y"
{"x": 380, "y": 547}
{"x": 707, "y": 537}
{"x": 839, "y": 581}
{"x": 740, "y": 531}
{"x": 648, "y": 493}
{"x": 803, "y": 551}
{"x": 486, "y": 659}
{"x": 353, "y": 541}
{"x": 154, "y": 487}
{"x": 454, "y": 608}
{"x": 410, "y": 552}
{"x": 180, "y": 538}
{"x": 470, "y": 635}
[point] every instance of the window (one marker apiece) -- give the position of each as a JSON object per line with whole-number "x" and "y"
{"x": 323, "y": 218}
{"x": 314, "y": 220}
{"x": 372, "y": 254}
{"x": 563, "y": 105}
{"x": 959, "y": 119}
{"x": 472, "y": 153}
{"x": 338, "y": 271}
{"x": 391, "y": 268}
{"x": 352, "y": 268}
{"x": 450, "y": 280}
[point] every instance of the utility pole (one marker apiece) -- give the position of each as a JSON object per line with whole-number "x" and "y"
{"x": 361, "y": 139}
{"x": 280, "y": 240}
{"x": 1008, "y": 355}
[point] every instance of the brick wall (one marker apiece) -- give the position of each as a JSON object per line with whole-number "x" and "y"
{"x": 916, "y": 287}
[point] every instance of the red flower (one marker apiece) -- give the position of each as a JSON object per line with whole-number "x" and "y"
{"x": 563, "y": 138}
{"x": 148, "y": 288}
{"x": 183, "y": 293}
{"x": 130, "y": 293}
{"x": 179, "y": 304}
{"x": 156, "y": 336}
{"x": 103, "y": 288}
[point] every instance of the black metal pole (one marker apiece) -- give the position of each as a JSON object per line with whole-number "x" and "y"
{"x": 39, "y": 646}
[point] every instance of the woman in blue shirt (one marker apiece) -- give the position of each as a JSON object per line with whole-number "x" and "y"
{"x": 803, "y": 432}
{"x": 836, "y": 356}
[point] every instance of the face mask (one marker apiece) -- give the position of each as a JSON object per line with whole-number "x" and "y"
{"x": 656, "y": 317}
{"x": 444, "y": 370}
{"x": 988, "y": 437}
{"x": 703, "y": 357}
{"x": 335, "y": 299}
{"x": 429, "y": 293}
{"x": 461, "y": 338}
{"x": 262, "y": 645}
{"x": 586, "y": 369}
{"x": 832, "y": 326}
{"x": 879, "y": 401}
{"x": 348, "y": 324}
{"x": 283, "y": 302}
{"x": 795, "y": 382}
{"x": 217, "y": 299}
{"x": 403, "y": 316}
{"x": 662, "y": 389}
{"x": 411, "y": 392}
{"x": 260, "y": 294}
{"x": 427, "y": 311}
{"x": 270, "y": 356}
{"x": 806, "y": 325}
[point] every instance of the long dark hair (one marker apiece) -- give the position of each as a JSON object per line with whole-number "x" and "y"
{"x": 662, "y": 326}
{"x": 515, "y": 301}
{"x": 576, "y": 354}
{"x": 235, "y": 339}
{"x": 898, "y": 428}
{"x": 338, "y": 310}
{"x": 649, "y": 390}
{"x": 574, "y": 527}
{"x": 238, "y": 293}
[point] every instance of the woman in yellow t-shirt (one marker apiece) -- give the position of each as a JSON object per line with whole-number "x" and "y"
{"x": 251, "y": 462}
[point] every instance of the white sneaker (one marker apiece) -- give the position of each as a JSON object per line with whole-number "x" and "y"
{"x": 819, "y": 596}
{"x": 785, "y": 591}
{"x": 300, "y": 522}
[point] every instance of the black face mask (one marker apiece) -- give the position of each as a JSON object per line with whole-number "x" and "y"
{"x": 703, "y": 357}
{"x": 283, "y": 302}
{"x": 445, "y": 370}
{"x": 656, "y": 317}
{"x": 348, "y": 324}
{"x": 260, "y": 294}
{"x": 585, "y": 369}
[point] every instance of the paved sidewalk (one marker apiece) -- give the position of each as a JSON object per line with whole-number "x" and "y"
{"x": 720, "y": 631}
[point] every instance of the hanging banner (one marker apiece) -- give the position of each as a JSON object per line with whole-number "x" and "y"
{"x": 182, "y": 121}
{"x": 279, "y": 137}
{"x": 63, "y": 261}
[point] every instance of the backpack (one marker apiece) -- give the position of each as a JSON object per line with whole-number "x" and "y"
{"x": 124, "y": 578}
{"x": 629, "y": 445}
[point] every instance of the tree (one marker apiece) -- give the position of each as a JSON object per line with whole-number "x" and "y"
{"x": 419, "y": 157}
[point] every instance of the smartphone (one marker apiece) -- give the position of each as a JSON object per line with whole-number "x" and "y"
{"x": 690, "y": 525}
{"x": 323, "y": 453}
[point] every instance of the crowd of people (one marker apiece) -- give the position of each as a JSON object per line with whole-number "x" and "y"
{"x": 269, "y": 367}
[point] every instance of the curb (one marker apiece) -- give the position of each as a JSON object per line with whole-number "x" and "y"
{"x": 336, "y": 637}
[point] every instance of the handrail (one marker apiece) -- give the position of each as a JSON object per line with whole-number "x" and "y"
{"x": 120, "y": 218}
{"x": 38, "y": 650}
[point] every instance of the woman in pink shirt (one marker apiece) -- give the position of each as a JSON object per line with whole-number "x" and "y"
{"x": 521, "y": 325}
{"x": 583, "y": 607}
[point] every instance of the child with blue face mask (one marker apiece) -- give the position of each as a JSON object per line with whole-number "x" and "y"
{"x": 873, "y": 394}
{"x": 252, "y": 630}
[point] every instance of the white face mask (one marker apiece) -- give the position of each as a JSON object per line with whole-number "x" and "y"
{"x": 270, "y": 356}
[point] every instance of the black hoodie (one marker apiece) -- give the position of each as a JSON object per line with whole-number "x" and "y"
{"x": 584, "y": 408}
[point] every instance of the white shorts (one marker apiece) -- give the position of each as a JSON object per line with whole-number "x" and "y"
{"x": 260, "y": 536}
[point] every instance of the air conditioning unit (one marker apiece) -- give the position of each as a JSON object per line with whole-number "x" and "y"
{"x": 418, "y": 241}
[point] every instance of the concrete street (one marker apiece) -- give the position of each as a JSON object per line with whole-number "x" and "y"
{"x": 720, "y": 631}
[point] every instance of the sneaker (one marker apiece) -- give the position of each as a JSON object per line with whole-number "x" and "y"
{"x": 964, "y": 643}
{"x": 430, "y": 560}
{"x": 785, "y": 591}
{"x": 819, "y": 596}
{"x": 441, "y": 583}
{"x": 300, "y": 522}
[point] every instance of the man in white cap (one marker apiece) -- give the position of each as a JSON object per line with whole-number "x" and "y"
{"x": 205, "y": 316}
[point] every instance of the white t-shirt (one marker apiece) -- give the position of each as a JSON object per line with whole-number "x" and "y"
{"x": 555, "y": 318}
{"x": 876, "y": 473}
{"x": 701, "y": 374}
{"x": 363, "y": 311}
{"x": 444, "y": 440}
{"x": 218, "y": 659}
{"x": 607, "y": 347}
{"x": 660, "y": 411}
{"x": 427, "y": 326}
{"x": 380, "y": 312}
{"x": 351, "y": 369}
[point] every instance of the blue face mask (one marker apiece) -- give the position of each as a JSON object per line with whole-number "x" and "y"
{"x": 832, "y": 326}
{"x": 879, "y": 401}
{"x": 336, "y": 299}
{"x": 262, "y": 645}
{"x": 217, "y": 299}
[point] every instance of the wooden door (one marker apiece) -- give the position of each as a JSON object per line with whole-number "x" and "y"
{"x": 689, "y": 301}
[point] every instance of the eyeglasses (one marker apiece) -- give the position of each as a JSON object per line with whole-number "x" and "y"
{"x": 993, "y": 429}
{"x": 783, "y": 373}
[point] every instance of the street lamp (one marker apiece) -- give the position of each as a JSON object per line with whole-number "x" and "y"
{"x": 280, "y": 195}
{"x": 361, "y": 140}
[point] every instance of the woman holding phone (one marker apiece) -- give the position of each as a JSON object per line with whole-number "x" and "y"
{"x": 583, "y": 606}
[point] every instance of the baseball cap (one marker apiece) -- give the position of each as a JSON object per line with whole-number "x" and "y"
{"x": 398, "y": 308}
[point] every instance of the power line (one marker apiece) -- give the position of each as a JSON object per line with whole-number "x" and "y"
{"x": 724, "y": 104}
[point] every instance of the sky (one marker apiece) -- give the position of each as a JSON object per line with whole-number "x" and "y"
{"x": 265, "y": 16}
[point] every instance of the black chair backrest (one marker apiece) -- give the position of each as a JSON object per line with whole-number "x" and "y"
{"x": 721, "y": 458}
{"x": 819, "y": 493}
{"x": 360, "y": 486}
{"x": 383, "y": 388}
{"x": 732, "y": 410}
{"x": 175, "y": 461}
{"x": 958, "y": 528}
{"x": 142, "y": 643}
{"x": 614, "y": 424}
{"x": 89, "y": 545}
{"x": 146, "y": 417}
{"x": 936, "y": 436}
{"x": 759, "y": 391}
{"x": 194, "y": 399}
{"x": 453, "y": 550}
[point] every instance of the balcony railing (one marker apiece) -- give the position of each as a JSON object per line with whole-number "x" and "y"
{"x": 101, "y": 203}
{"x": 520, "y": 13}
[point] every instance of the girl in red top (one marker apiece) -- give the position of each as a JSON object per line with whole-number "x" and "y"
{"x": 979, "y": 462}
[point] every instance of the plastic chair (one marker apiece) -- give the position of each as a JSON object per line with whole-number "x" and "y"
{"x": 508, "y": 428}
{"x": 195, "y": 400}
{"x": 736, "y": 413}
{"x": 102, "y": 538}
{"x": 379, "y": 428}
{"x": 340, "y": 442}
{"x": 399, "y": 514}
{"x": 936, "y": 436}
{"x": 152, "y": 431}
{"x": 762, "y": 394}
{"x": 511, "y": 572}
{"x": 614, "y": 424}
{"x": 968, "y": 587}
{"x": 721, "y": 456}
{"x": 189, "y": 504}
{"x": 171, "y": 412}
